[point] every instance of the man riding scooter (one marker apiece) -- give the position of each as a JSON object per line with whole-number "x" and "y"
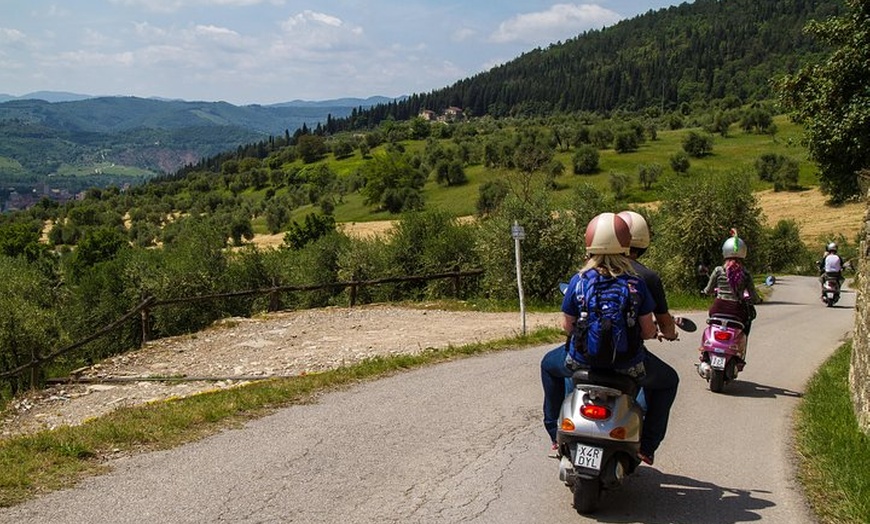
{"x": 831, "y": 266}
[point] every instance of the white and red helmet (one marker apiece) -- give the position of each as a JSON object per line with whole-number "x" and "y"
{"x": 607, "y": 234}
{"x": 639, "y": 228}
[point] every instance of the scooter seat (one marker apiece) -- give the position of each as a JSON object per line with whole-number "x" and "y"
{"x": 609, "y": 379}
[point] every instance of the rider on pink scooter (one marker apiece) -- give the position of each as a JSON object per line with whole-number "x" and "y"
{"x": 736, "y": 295}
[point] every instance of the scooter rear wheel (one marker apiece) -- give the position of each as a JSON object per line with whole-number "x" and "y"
{"x": 587, "y": 493}
{"x": 717, "y": 380}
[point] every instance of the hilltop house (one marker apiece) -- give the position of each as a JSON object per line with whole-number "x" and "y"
{"x": 451, "y": 114}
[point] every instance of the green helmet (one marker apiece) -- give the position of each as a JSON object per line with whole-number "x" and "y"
{"x": 734, "y": 247}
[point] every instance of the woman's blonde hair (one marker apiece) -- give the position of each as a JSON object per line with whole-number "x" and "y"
{"x": 613, "y": 265}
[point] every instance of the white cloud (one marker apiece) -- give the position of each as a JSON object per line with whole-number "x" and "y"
{"x": 463, "y": 34}
{"x": 214, "y": 31}
{"x": 557, "y": 23}
{"x": 9, "y": 36}
{"x": 313, "y": 31}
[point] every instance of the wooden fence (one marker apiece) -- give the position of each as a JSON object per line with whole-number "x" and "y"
{"x": 143, "y": 311}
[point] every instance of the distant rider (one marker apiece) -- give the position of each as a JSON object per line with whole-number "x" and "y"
{"x": 831, "y": 266}
{"x": 736, "y": 295}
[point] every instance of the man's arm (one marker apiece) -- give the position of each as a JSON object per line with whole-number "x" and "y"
{"x": 666, "y": 325}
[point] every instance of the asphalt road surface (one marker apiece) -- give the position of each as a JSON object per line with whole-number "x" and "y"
{"x": 463, "y": 442}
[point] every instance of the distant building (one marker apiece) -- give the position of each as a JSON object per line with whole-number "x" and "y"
{"x": 451, "y": 114}
{"x": 428, "y": 114}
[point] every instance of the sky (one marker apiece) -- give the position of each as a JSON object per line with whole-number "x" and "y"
{"x": 271, "y": 51}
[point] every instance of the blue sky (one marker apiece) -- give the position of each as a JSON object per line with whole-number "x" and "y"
{"x": 270, "y": 51}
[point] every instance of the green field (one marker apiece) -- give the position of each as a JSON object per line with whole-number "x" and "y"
{"x": 736, "y": 152}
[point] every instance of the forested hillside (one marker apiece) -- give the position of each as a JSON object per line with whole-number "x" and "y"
{"x": 691, "y": 53}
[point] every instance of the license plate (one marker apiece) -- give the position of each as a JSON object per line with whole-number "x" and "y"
{"x": 717, "y": 362}
{"x": 588, "y": 457}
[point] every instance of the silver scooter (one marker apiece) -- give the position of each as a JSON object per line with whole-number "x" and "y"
{"x": 598, "y": 439}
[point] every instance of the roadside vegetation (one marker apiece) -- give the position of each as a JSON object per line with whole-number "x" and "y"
{"x": 832, "y": 448}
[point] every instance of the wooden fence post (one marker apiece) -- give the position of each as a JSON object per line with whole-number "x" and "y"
{"x": 274, "y": 300}
{"x": 146, "y": 325}
{"x": 456, "y": 281}
{"x": 34, "y": 368}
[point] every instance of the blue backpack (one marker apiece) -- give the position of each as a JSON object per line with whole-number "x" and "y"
{"x": 607, "y": 333}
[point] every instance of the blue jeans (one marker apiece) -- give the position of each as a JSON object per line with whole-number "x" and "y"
{"x": 659, "y": 387}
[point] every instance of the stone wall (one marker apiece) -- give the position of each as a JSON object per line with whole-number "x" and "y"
{"x": 859, "y": 371}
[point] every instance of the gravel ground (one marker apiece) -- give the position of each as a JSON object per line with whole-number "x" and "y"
{"x": 238, "y": 349}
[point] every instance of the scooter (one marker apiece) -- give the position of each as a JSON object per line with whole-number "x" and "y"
{"x": 830, "y": 290}
{"x": 599, "y": 436}
{"x": 723, "y": 351}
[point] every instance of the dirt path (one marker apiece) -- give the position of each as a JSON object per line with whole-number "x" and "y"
{"x": 279, "y": 344}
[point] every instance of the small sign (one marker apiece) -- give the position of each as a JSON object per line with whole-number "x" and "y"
{"x": 517, "y": 232}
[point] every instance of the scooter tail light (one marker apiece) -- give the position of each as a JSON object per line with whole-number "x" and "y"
{"x": 568, "y": 424}
{"x": 722, "y": 336}
{"x": 593, "y": 412}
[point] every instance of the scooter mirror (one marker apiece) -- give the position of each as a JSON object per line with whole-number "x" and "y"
{"x": 686, "y": 324}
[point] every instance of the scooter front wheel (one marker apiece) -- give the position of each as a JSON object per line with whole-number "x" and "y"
{"x": 717, "y": 380}
{"x": 587, "y": 493}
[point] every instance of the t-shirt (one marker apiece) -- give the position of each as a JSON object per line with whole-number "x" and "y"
{"x": 654, "y": 285}
{"x": 833, "y": 263}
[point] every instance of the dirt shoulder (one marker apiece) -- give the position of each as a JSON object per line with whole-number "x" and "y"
{"x": 237, "y": 350}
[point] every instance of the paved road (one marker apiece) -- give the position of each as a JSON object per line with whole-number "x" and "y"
{"x": 463, "y": 442}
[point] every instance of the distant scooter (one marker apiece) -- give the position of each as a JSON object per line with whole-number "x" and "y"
{"x": 830, "y": 289}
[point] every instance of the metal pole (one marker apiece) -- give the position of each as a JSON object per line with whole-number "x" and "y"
{"x": 519, "y": 234}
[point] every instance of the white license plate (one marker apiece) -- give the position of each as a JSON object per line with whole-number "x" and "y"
{"x": 717, "y": 362}
{"x": 588, "y": 457}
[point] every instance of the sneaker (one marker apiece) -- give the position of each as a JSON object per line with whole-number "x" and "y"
{"x": 646, "y": 458}
{"x": 554, "y": 451}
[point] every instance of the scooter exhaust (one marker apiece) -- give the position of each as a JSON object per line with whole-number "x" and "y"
{"x": 704, "y": 370}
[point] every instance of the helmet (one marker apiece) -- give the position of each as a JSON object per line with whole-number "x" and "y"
{"x": 638, "y": 227}
{"x": 832, "y": 247}
{"x": 607, "y": 234}
{"x": 734, "y": 247}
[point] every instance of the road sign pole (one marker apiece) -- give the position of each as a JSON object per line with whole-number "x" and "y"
{"x": 518, "y": 233}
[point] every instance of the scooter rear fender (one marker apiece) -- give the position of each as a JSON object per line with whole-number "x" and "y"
{"x": 625, "y": 413}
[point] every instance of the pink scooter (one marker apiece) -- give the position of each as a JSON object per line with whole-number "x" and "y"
{"x": 723, "y": 351}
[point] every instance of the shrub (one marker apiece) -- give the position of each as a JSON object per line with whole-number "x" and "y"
{"x": 490, "y": 196}
{"x": 680, "y": 162}
{"x": 649, "y": 175}
{"x": 619, "y": 184}
{"x": 430, "y": 242}
{"x": 697, "y": 144}
{"x": 694, "y": 220}
{"x": 626, "y": 142}
{"x": 550, "y": 251}
{"x": 585, "y": 160}
{"x": 29, "y": 324}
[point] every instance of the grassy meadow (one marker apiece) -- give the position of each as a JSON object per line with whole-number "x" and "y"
{"x": 737, "y": 151}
